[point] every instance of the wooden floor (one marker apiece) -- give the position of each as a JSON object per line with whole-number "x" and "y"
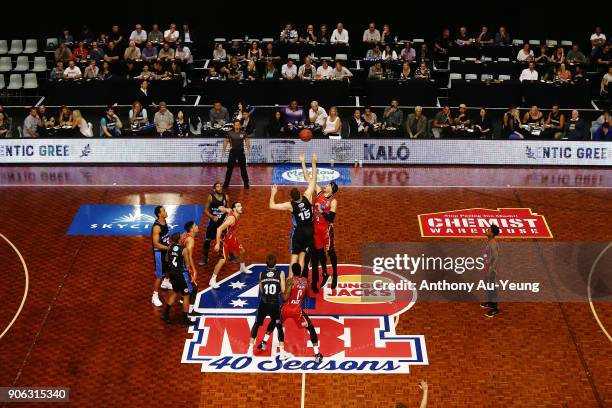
{"x": 88, "y": 322}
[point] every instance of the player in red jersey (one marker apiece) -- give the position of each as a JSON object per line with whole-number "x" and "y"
{"x": 232, "y": 248}
{"x": 295, "y": 292}
{"x": 325, "y": 206}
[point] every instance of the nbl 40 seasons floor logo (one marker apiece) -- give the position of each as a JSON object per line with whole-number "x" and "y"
{"x": 474, "y": 222}
{"x": 355, "y": 324}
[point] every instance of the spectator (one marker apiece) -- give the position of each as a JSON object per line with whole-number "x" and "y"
{"x": 289, "y": 70}
{"x": 116, "y": 36}
{"x": 247, "y": 123}
{"x": 598, "y": 39}
{"x": 555, "y": 123}
{"x": 184, "y": 57}
{"x": 462, "y": 118}
{"x": 602, "y": 133}
{"x": 166, "y": 53}
{"x": 389, "y": 53}
{"x": 529, "y": 74}
{"x": 132, "y": 52}
{"x": 86, "y": 35}
{"x": 482, "y": 125}
{"x": 310, "y": 37}
{"x": 512, "y": 123}
{"x": 57, "y": 73}
{"x": 171, "y": 35}
{"x": 485, "y": 37}
{"x": 358, "y": 127}
{"x": 525, "y": 54}
{"x": 602, "y": 58}
{"x": 323, "y": 35}
{"x": 251, "y": 73}
{"x": 274, "y": 128}
{"x": 340, "y": 35}
{"x": 5, "y": 126}
{"x": 603, "y": 118}
{"x": 218, "y": 115}
{"x": 374, "y": 53}
{"x": 79, "y": 124}
{"x": 110, "y": 124}
{"x": 325, "y": 71}
{"x": 72, "y": 72}
{"x": 219, "y": 53}
{"x": 63, "y": 54}
{"x": 579, "y": 75}
{"x": 442, "y": 44}
{"x": 289, "y": 35}
{"x": 387, "y": 36}
{"x": 106, "y": 71}
{"x": 254, "y": 53}
{"x": 339, "y": 72}
{"x": 317, "y": 115}
{"x": 31, "y": 124}
{"x": 333, "y": 124}
{"x": 575, "y": 56}
{"x": 293, "y": 117}
{"x": 92, "y": 71}
{"x": 422, "y": 72}
{"x": 65, "y": 117}
{"x": 563, "y": 74}
{"x": 559, "y": 56}
{"x": 96, "y": 53}
{"x": 406, "y": 72}
{"x": 371, "y": 119}
{"x": 138, "y": 117}
{"x": 187, "y": 37}
{"x": 213, "y": 75}
{"x": 442, "y": 122}
{"x": 103, "y": 40}
{"x": 463, "y": 38}
{"x": 66, "y": 37}
{"x": 164, "y": 120}
{"x": 149, "y": 52}
{"x": 80, "y": 53}
{"x": 139, "y": 36}
{"x": 376, "y": 71}
{"x": 174, "y": 71}
{"x": 236, "y": 50}
{"x": 574, "y": 128}
{"x": 543, "y": 57}
{"x": 270, "y": 54}
{"x": 155, "y": 36}
{"x": 181, "y": 127}
{"x": 604, "y": 88}
{"x": 534, "y": 117}
{"x": 424, "y": 54}
{"x": 393, "y": 118}
{"x": 307, "y": 71}
{"x": 502, "y": 37}
{"x": 371, "y": 35}
{"x": 112, "y": 55}
{"x": 416, "y": 124}
{"x": 271, "y": 72}
{"x": 408, "y": 53}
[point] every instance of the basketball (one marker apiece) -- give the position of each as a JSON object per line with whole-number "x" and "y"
{"x": 305, "y": 135}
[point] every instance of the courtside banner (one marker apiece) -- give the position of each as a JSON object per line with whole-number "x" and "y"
{"x": 474, "y": 223}
{"x": 291, "y": 174}
{"x": 382, "y": 151}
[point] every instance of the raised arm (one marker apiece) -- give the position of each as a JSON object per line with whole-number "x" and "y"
{"x": 312, "y": 183}
{"x": 278, "y": 206}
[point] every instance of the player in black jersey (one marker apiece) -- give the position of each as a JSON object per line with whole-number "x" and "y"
{"x": 214, "y": 210}
{"x": 159, "y": 240}
{"x": 301, "y": 209}
{"x": 271, "y": 287}
{"x": 178, "y": 258}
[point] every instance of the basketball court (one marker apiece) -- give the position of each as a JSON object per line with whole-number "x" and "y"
{"x": 77, "y": 312}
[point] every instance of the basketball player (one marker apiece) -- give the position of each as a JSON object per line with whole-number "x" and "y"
{"x": 325, "y": 206}
{"x": 301, "y": 209}
{"x": 232, "y": 248}
{"x": 178, "y": 258}
{"x": 294, "y": 294}
{"x": 217, "y": 201}
{"x": 159, "y": 240}
{"x": 188, "y": 241}
{"x": 492, "y": 258}
{"x": 271, "y": 287}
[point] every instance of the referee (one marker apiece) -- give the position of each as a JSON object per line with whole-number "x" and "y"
{"x": 239, "y": 141}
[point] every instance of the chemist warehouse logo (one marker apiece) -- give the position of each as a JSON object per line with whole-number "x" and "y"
{"x": 474, "y": 222}
{"x": 355, "y": 324}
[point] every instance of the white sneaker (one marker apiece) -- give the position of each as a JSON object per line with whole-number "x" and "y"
{"x": 155, "y": 299}
{"x": 213, "y": 284}
{"x": 247, "y": 271}
{"x": 166, "y": 284}
{"x": 285, "y": 355}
